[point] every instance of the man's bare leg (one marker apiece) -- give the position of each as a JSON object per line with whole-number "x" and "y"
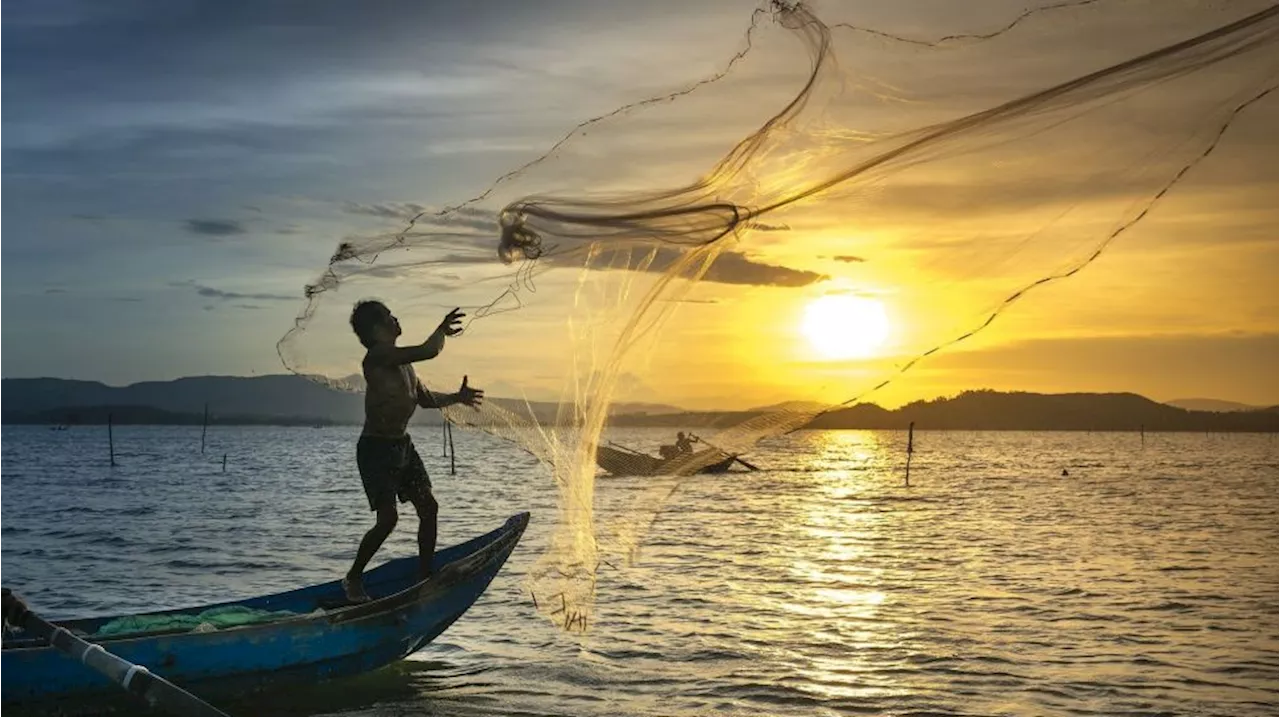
{"x": 353, "y": 583}
{"x": 428, "y": 512}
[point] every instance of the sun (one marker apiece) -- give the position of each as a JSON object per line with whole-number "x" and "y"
{"x": 840, "y": 326}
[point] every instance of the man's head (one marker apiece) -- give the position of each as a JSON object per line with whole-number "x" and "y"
{"x": 680, "y": 435}
{"x": 373, "y": 323}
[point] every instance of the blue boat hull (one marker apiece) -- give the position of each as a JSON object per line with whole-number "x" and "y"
{"x": 320, "y": 644}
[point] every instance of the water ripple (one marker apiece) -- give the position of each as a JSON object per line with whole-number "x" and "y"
{"x": 1143, "y": 584}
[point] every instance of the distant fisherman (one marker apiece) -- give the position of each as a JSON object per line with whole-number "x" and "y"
{"x": 684, "y": 444}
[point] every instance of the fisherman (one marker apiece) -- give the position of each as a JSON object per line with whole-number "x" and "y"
{"x": 389, "y": 465}
{"x": 684, "y": 444}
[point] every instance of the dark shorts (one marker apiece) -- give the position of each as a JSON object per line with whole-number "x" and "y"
{"x": 391, "y": 467}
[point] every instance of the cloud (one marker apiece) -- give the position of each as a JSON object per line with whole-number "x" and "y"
{"x": 209, "y": 292}
{"x": 737, "y": 268}
{"x": 849, "y": 259}
{"x": 475, "y": 218}
{"x": 385, "y": 210}
{"x": 730, "y": 267}
{"x": 214, "y": 227}
{"x": 55, "y": 291}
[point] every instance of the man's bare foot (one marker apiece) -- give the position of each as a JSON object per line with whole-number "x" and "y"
{"x": 353, "y": 588}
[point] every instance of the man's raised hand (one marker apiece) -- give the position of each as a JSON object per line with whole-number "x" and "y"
{"x": 452, "y": 324}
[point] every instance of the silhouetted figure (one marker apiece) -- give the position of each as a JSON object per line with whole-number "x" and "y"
{"x": 684, "y": 444}
{"x": 389, "y": 464}
{"x": 1065, "y": 473}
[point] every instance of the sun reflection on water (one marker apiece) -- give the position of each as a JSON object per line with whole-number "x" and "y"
{"x": 848, "y": 529}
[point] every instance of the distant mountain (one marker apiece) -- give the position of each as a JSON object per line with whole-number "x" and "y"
{"x": 992, "y": 410}
{"x": 1211, "y": 404}
{"x": 148, "y": 416}
{"x": 293, "y": 400}
{"x": 997, "y": 411}
{"x": 282, "y": 399}
{"x": 285, "y": 397}
{"x": 801, "y": 406}
{"x": 625, "y": 408}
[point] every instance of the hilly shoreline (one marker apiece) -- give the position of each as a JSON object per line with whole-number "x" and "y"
{"x": 295, "y": 401}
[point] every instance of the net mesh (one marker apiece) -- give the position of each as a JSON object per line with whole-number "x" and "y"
{"x": 946, "y": 177}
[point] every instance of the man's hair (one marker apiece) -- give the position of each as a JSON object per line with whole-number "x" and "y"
{"x": 364, "y": 317}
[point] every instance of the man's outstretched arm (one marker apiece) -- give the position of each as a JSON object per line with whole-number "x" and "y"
{"x": 427, "y": 399}
{"x": 429, "y": 349}
{"x": 466, "y": 395}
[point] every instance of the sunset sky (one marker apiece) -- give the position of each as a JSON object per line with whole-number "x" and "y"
{"x": 175, "y": 173}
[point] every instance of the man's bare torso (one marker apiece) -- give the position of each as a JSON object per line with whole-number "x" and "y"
{"x": 391, "y": 396}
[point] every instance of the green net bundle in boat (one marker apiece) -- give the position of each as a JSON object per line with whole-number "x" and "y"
{"x": 217, "y": 618}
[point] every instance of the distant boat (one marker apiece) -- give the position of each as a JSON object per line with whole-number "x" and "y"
{"x": 633, "y": 463}
{"x": 313, "y": 645}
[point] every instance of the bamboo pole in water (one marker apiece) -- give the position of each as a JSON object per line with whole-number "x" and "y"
{"x": 453, "y": 469}
{"x": 911, "y": 434}
{"x": 205, "y": 428}
{"x": 111, "y": 440}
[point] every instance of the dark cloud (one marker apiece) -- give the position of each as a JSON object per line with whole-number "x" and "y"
{"x": 209, "y": 292}
{"x": 729, "y": 268}
{"x": 251, "y": 307}
{"x": 214, "y": 227}
{"x": 474, "y": 218}
{"x": 127, "y": 299}
{"x": 733, "y": 267}
{"x": 849, "y": 259}
{"x": 55, "y": 291}
{"x": 212, "y": 293}
{"x": 385, "y": 210}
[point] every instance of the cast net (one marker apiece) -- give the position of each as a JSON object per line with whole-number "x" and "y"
{"x": 913, "y": 186}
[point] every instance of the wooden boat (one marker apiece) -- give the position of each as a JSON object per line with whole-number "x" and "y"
{"x": 629, "y": 463}
{"x": 318, "y": 644}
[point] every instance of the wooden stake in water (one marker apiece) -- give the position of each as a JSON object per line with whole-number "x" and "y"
{"x": 224, "y": 462}
{"x": 453, "y": 469}
{"x": 911, "y": 435}
{"x": 205, "y": 428}
{"x": 1142, "y": 432}
{"x": 111, "y": 440}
